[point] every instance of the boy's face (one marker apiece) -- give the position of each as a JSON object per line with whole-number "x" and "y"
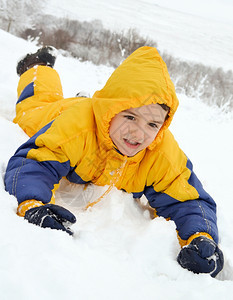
{"x": 134, "y": 129}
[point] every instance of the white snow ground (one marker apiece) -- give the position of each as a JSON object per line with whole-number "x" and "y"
{"x": 117, "y": 252}
{"x": 186, "y": 36}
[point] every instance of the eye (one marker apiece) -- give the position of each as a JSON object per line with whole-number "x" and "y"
{"x": 153, "y": 125}
{"x": 129, "y": 117}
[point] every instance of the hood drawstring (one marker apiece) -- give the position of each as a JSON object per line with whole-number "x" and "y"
{"x": 113, "y": 182}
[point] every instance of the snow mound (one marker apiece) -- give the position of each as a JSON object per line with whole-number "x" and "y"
{"x": 117, "y": 251}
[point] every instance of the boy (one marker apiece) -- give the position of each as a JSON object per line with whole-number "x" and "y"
{"x": 119, "y": 138}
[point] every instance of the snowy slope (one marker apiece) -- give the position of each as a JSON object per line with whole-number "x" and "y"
{"x": 117, "y": 252}
{"x": 185, "y": 36}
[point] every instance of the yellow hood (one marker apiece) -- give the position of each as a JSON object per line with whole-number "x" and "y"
{"x": 142, "y": 79}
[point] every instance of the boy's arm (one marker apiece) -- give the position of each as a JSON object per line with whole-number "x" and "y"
{"x": 29, "y": 177}
{"x": 52, "y": 153}
{"x": 196, "y": 224}
{"x": 190, "y": 216}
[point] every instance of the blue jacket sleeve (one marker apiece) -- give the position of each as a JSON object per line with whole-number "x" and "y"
{"x": 30, "y": 179}
{"x": 190, "y": 216}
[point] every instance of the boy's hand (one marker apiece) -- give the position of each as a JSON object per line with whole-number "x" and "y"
{"x": 202, "y": 255}
{"x": 52, "y": 216}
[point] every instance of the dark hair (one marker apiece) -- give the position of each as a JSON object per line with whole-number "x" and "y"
{"x": 166, "y": 108}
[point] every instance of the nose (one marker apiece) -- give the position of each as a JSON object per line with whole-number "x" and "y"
{"x": 136, "y": 133}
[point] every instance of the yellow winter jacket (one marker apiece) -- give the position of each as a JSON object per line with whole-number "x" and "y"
{"x": 73, "y": 141}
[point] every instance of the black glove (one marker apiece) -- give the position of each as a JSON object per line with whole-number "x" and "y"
{"x": 52, "y": 216}
{"x": 202, "y": 255}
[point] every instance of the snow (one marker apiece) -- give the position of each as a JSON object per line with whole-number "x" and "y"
{"x": 215, "y": 10}
{"x": 117, "y": 251}
{"x": 183, "y": 35}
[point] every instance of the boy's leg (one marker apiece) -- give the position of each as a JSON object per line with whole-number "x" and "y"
{"x": 39, "y": 87}
{"x": 40, "y": 96}
{"x": 38, "y": 90}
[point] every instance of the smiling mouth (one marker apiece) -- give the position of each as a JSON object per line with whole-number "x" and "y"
{"x": 131, "y": 144}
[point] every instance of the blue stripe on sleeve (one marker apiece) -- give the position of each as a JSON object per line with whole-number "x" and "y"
{"x": 35, "y": 180}
{"x": 195, "y": 182}
{"x": 30, "y": 179}
{"x": 137, "y": 195}
{"x": 74, "y": 177}
{"x": 190, "y": 216}
{"x": 27, "y": 92}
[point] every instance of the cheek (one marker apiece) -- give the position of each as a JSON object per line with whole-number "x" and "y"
{"x": 114, "y": 129}
{"x": 151, "y": 136}
{"x": 111, "y": 131}
{"x": 118, "y": 127}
